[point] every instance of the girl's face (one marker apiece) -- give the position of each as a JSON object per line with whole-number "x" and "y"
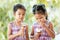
{"x": 19, "y": 14}
{"x": 40, "y": 17}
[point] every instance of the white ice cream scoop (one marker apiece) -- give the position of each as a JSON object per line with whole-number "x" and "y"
{"x": 38, "y": 30}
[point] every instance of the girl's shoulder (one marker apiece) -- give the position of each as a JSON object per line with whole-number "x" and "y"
{"x": 10, "y": 24}
{"x": 48, "y": 22}
{"x": 34, "y": 24}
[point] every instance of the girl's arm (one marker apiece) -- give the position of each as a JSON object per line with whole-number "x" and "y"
{"x": 32, "y": 33}
{"x": 36, "y": 35}
{"x": 9, "y": 33}
{"x": 50, "y": 30}
{"x": 27, "y": 36}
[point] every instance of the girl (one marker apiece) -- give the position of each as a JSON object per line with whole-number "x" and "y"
{"x": 42, "y": 29}
{"x": 17, "y": 30}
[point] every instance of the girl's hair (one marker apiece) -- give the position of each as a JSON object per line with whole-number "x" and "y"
{"x": 18, "y": 6}
{"x": 40, "y": 9}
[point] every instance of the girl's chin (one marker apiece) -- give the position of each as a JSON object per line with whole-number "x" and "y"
{"x": 20, "y": 20}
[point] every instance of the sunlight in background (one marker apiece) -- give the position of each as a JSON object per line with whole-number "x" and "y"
{"x": 6, "y": 14}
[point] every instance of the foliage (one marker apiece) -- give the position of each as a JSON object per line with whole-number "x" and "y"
{"x": 6, "y": 13}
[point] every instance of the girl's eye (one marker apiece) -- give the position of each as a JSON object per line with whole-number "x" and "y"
{"x": 23, "y": 14}
{"x": 36, "y": 18}
{"x": 19, "y": 14}
{"x": 41, "y": 17}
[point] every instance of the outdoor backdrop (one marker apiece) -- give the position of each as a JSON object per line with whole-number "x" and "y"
{"x": 6, "y": 13}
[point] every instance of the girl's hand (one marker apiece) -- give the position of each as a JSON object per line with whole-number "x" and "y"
{"x": 37, "y": 35}
{"x": 43, "y": 22}
{"x": 21, "y": 31}
{"x": 44, "y": 25}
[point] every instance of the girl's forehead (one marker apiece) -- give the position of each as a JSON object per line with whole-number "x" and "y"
{"x": 39, "y": 14}
{"x": 20, "y": 11}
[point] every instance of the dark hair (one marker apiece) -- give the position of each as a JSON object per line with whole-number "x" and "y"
{"x": 40, "y": 9}
{"x": 18, "y": 6}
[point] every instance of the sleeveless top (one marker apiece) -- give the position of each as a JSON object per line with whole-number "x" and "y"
{"x": 44, "y": 35}
{"x": 15, "y": 29}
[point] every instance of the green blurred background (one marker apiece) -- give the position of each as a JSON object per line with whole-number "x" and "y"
{"x": 6, "y": 13}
